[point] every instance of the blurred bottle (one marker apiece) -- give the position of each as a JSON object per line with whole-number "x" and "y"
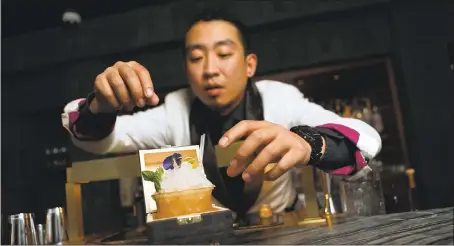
{"x": 377, "y": 121}
{"x": 347, "y": 111}
{"x": 358, "y": 108}
{"x": 367, "y": 111}
{"x": 357, "y": 111}
{"x": 338, "y": 106}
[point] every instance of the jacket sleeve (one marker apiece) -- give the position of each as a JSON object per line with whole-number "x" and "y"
{"x": 366, "y": 139}
{"x": 127, "y": 133}
{"x": 339, "y": 151}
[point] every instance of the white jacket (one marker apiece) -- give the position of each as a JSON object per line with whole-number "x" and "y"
{"x": 284, "y": 104}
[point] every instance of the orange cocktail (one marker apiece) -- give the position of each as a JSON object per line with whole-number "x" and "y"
{"x": 178, "y": 203}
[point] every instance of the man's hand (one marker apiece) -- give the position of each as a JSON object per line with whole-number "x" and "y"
{"x": 270, "y": 143}
{"x": 123, "y": 85}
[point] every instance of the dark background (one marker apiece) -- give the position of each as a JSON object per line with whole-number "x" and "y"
{"x": 46, "y": 64}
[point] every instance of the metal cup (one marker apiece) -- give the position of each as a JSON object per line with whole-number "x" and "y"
{"x": 23, "y": 230}
{"x": 41, "y": 234}
{"x": 55, "y": 226}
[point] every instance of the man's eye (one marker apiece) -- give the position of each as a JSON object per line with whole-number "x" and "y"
{"x": 225, "y": 55}
{"x": 195, "y": 59}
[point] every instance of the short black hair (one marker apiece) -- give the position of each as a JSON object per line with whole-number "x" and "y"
{"x": 213, "y": 14}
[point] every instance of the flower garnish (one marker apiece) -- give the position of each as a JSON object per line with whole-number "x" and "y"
{"x": 171, "y": 161}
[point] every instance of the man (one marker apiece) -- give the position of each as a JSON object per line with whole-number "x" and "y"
{"x": 277, "y": 124}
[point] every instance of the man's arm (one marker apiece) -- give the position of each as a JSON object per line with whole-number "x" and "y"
{"x": 349, "y": 142}
{"x": 108, "y": 133}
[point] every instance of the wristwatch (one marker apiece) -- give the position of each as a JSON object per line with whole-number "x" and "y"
{"x": 315, "y": 140}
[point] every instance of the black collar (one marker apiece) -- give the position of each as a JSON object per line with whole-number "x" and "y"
{"x": 206, "y": 114}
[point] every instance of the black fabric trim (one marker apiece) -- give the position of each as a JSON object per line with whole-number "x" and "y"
{"x": 93, "y": 127}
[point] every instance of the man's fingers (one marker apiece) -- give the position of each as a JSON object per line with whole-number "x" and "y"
{"x": 133, "y": 83}
{"x": 118, "y": 86}
{"x": 146, "y": 82}
{"x": 102, "y": 87}
{"x": 286, "y": 162}
{"x": 240, "y": 130}
{"x": 154, "y": 99}
{"x": 130, "y": 107}
{"x": 252, "y": 145}
{"x": 271, "y": 152}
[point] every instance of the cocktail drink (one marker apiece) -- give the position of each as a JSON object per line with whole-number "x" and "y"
{"x": 178, "y": 203}
{"x": 181, "y": 187}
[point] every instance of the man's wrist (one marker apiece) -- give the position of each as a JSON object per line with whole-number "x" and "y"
{"x": 93, "y": 106}
{"x": 307, "y": 158}
{"x": 96, "y": 108}
{"x": 91, "y": 103}
{"x": 93, "y": 125}
{"x": 314, "y": 139}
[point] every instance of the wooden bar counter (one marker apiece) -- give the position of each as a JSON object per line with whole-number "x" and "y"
{"x": 422, "y": 227}
{"x": 419, "y": 227}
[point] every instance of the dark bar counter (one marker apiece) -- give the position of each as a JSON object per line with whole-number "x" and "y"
{"x": 418, "y": 227}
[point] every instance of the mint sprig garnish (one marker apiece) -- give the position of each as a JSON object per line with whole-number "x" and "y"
{"x": 155, "y": 177}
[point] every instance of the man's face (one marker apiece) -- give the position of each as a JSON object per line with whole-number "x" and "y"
{"x": 215, "y": 63}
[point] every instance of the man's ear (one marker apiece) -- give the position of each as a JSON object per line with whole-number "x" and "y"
{"x": 251, "y": 62}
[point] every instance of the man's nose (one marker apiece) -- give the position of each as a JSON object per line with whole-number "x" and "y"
{"x": 210, "y": 67}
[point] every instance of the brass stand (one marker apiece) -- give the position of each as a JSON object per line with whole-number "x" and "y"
{"x": 315, "y": 215}
{"x": 329, "y": 212}
{"x": 310, "y": 197}
{"x": 74, "y": 209}
{"x": 326, "y": 186}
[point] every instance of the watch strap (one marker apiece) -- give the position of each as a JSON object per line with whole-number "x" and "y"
{"x": 314, "y": 139}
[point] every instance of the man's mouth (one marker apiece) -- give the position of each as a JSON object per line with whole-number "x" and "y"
{"x": 214, "y": 90}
